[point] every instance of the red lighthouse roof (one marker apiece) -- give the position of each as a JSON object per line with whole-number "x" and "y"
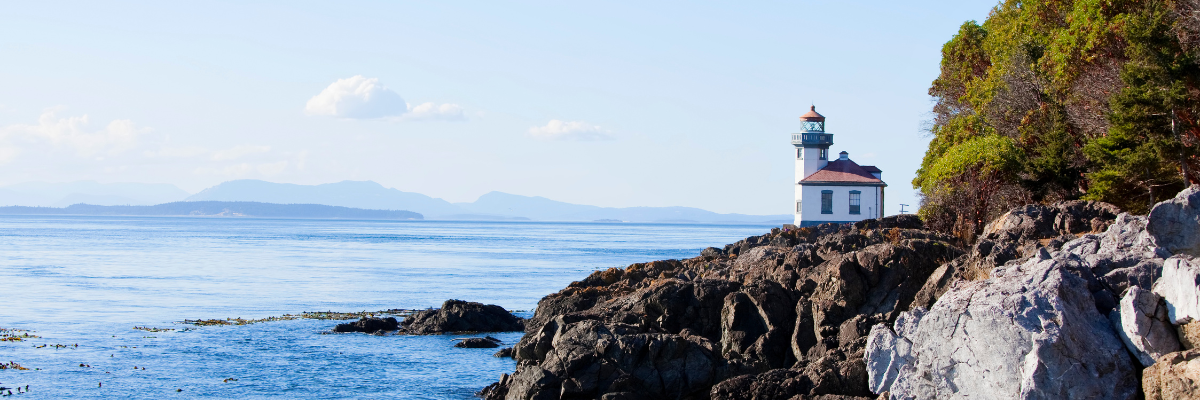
{"x": 812, "y": 115}
{"x": 844, "y": 171}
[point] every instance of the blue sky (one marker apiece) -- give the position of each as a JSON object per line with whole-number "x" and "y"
{"x": 609, "y": 104}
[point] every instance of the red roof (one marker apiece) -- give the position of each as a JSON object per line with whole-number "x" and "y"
{"x": 812, "y": 115}
{"x": 842, "y": 171}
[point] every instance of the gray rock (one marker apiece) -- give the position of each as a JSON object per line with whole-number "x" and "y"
{"x": 1143, "y": 325}
{"x": 1031, "y": 331}
{"x": 888, "y": 351}
{"x": 1025, "y": 232}
{"x": 1175, "y": 224}
{"x": 1180, "y": 287}
{"x": 1122, "y": 256}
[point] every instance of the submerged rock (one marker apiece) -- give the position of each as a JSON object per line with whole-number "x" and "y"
{"x": 368, "y": 325}
{"x": 478, "y": 343}
{"x": 462, "y": 316}
{"x": 1030, "y": 331}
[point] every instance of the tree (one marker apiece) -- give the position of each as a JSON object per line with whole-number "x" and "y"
{"x": 1095, "y": 99}
{"x": 1149, "y": 152}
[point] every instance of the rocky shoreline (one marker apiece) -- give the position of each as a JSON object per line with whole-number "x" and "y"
{"x": 1070, "y": 300}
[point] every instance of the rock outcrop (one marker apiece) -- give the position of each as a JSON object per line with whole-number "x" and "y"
{"x": 1018, "y": 235}
{"x": 1173, "y": 376}
{"x": 792, "y": 307}
{"x": 368, "y": 325}
{"x": 462, "y": 316}
{"x": 885, "y": 309}
{"x": 1031, "y": 331}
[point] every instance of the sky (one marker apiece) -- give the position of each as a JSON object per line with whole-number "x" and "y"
{"x": 614, "y": 104}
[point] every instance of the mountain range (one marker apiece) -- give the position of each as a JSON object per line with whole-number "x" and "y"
{"x": 217, "y": 209}
{"x": 358, "y": 194}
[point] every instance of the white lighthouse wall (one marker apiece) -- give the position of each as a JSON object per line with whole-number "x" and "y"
{"x": 811, "y": 164}
{"x": 810, "y": 196}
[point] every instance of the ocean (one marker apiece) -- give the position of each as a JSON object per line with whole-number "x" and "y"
{"x": 79, "y": 286}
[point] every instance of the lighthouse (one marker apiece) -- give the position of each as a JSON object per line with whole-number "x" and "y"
{"x": 831, "y": 191}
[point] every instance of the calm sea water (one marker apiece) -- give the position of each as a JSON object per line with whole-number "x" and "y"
{"x": 88, "y": 281}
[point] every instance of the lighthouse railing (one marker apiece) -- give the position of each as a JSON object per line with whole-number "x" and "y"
{"x": 812, "y": 138}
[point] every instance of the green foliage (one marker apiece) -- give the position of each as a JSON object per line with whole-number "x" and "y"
{"x": 990, "y": 154}
{"x": 1139, "y": 162}
{"x": 1063, "y": 99}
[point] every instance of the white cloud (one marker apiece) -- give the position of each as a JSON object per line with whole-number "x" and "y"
{"x": 238, "y": 151}
{"x": 73, "y": 133}
{"x": 569, "y": 130}
{"x": 435, "y": 112}
{"x": 357, "y": 97}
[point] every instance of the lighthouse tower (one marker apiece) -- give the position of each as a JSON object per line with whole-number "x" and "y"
{"x": 831, "y": 191}
{"x": 812, "y": 145}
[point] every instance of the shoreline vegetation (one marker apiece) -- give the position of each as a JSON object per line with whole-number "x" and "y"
{"x": 1059, "y": 100}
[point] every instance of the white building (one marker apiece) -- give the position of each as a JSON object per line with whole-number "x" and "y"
{"x": 832, "y": 191}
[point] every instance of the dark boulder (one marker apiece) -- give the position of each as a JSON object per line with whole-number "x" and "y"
{"x": 506, "y": 352}
{"x": 368, "y": 325}
{"x": 462, "y": 316}
{"x": 478, "y": 343}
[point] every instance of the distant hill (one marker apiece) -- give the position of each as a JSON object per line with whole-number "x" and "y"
{"x": 90, "y": 192}
{"x": 356, "y": 194}
{"x": 366, "y": 195}
{"x": 218, "y": 209}
{"x": 541, "y": 208}
{"x": 497, "y": 206}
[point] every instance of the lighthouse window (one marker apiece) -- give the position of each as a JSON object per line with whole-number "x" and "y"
{"x": 826, "y": 202}
{"x": 799, "y": 154}
{"x": 797, "y": 206}
{"x": 855, "y": 198}
{"x": 824, "y": 154}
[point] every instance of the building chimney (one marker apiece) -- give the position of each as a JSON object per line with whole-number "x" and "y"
{"x": 843, "y": 156}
